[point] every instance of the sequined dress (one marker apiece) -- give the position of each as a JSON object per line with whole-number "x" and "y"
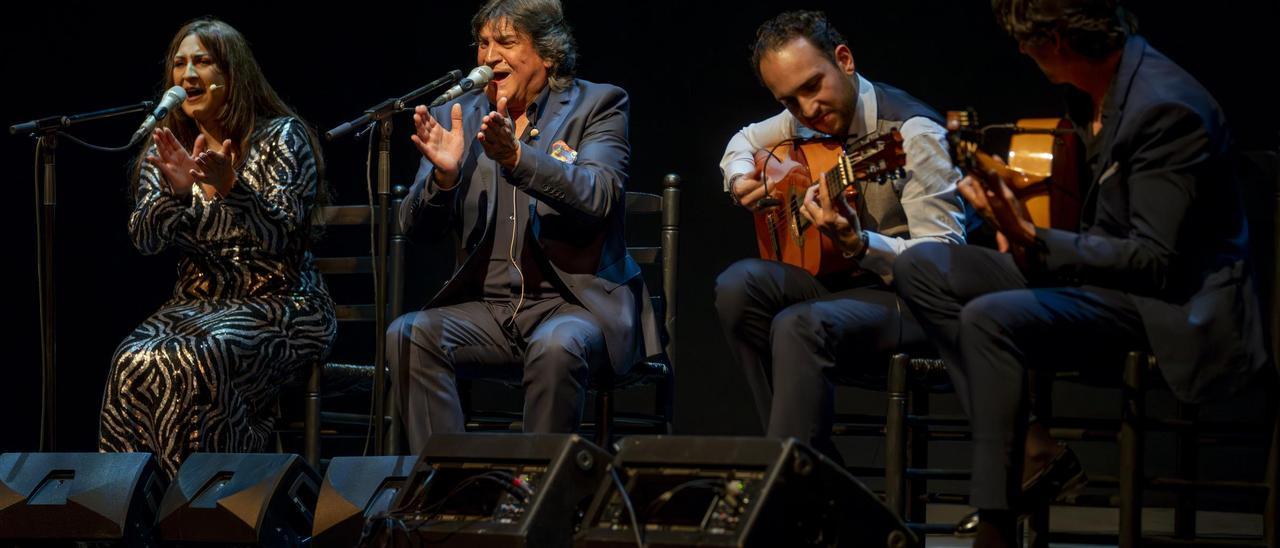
{"x": 248, "y": 312}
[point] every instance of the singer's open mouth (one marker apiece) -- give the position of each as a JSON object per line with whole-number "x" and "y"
{"x": 194, "y": 93}
{"x": 500, "y": 76}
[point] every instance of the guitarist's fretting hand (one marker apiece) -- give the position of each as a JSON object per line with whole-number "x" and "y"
{"x": 992, "y": 196}
{"x": 748, "y": 189}
{"x": 843, "y": 226}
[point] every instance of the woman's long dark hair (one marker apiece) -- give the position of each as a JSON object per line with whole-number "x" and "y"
{"x": 250, "y": 99}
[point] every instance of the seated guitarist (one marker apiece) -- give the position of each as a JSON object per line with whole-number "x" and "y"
{"x": 1159, "y": 260}
{"x": 785, "y": 324}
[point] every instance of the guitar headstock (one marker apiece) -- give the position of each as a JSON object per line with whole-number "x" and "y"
{"x": 877, "y": 158}
{"x": 965, "y": 137}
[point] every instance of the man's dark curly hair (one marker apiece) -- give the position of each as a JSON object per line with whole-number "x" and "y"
{"x": 1092, "y": 28}
{"x": 781, "y": 30}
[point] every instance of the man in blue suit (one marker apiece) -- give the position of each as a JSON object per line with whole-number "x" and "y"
{"x": 1160, "y": 259}
{"x": 530, "y": 174}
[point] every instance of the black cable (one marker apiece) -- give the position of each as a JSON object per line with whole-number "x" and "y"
{"x": 460, "y": 528}
{"x": 666, "y": 496}
{"x": 409, "y": 526}
{"x": 764, "y": 179}
{"x": 44, "y": 380}
{"x": 491, "y": 476}
{"x": 377, "y": 262}
{"x": 422, "y": 490}
{"x": 516, "y": 482}
{"x": 434, "y": 510}
{"x": 390, "y": 520}
{"x": 626, "y": 501}
{"x": 91, "y": 146}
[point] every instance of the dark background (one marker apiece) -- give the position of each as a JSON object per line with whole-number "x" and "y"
{"x": 683, "y": 63}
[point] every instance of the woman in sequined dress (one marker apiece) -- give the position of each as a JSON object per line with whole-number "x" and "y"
{"x": 230, "y": 181}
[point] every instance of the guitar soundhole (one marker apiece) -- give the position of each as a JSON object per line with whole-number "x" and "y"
{"x": 798, "y": 223}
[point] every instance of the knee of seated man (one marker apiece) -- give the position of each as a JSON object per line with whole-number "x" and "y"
{"x": 1000, "y": 313}
{"x": 396, "y": 331}
{"x": 917, "y": 266}
{"x": 566, "y": 347}
{"x": 419, "y": 329}
{"x": 800, "y": 320}
{"x": 732, "y": 286}
{"x": 422, "y": 327}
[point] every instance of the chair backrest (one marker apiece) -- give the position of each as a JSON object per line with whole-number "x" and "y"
{"x": 665, "y": 255}
{"x": 365, "y": 265}
{"x": 351, "y": 364}
{"x": 385, "y": 268}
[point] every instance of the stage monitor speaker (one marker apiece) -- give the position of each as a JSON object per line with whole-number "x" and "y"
{"x": 489, "y": 490}
{"x": 240, "y": 498}
{"x": 719, "y": 491}
{"x": 355, "y": 489}
{"x": 81, "y": 497}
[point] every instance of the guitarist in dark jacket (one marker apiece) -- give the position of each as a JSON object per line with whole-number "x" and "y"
{"x": 1159, "y": 261}
{"x": 790, "y": 330}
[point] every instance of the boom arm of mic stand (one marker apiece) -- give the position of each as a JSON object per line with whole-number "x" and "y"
{"x": 385, "y": 109}
{"x": 54, "y": 123}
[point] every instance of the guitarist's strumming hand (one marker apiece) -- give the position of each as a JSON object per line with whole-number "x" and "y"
{"x": 835, "y": 219}
{"x": 989, "y": 191}
{"x": 747, "y": 189}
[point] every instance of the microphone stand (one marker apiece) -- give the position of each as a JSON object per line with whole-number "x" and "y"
{"x": 45, "y": 131}
{"x": 379, "y": 117}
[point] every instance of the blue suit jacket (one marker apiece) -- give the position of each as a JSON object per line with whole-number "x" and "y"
{"x": 1163, "y": 221}
{"x": 576, "y": 210}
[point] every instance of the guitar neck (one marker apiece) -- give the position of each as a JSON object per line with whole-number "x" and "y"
{"x": 875, "y": 156}
{"x": 849, "y": 168}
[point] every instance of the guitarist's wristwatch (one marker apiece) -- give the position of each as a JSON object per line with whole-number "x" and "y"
{"x": 733, "y": 196}
{"x": 860, "y": 253}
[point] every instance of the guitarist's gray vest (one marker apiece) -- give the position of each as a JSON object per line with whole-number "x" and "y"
{"x": 881, "y": 208}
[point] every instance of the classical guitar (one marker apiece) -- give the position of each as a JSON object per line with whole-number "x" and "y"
{"x": 788, "y": 171}
{"x": 1042, "y": 167}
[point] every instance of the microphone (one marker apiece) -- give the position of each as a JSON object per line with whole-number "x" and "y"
{"x": 479, "y": 76}
{"x": 172, "y": 98}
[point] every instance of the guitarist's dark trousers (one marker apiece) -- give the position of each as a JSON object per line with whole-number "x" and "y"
{"x": 993, "y": 327}
{"x": 793, "y": 334}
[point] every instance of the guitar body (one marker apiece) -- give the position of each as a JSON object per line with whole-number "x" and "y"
{"x": 781, "y": 232}
{"x": 1050, "y": 187}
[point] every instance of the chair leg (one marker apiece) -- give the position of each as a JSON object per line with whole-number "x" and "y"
{"x": 393, "y": 434}
{"x": 665, "y": 405}
{"x": 604, "y": 417}
{"x": 279, "y": 439}
{"x": 1037, "y": 531}
{"x": 392, "y": 446}
{"x": 1270, "y": 515}
{"x": 918, "y": 451}
{"x": 311, "y": 428}
{"x": 1186, "y": 459}
{"x": 895, "y": 437}
{"x": 1132, "y": 474}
